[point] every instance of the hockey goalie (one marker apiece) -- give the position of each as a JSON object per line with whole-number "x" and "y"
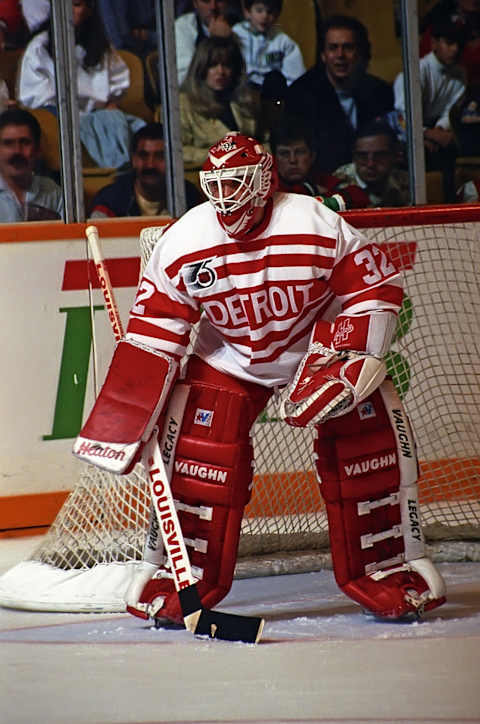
{"x": 291, "y": 300}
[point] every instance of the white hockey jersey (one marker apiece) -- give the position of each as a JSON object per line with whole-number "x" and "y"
{"x": 257, "y": 300}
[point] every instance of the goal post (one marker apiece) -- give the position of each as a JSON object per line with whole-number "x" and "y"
{"x": 86, "y": 560}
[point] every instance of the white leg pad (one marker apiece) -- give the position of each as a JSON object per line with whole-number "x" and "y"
{"x": 143, "y": 573}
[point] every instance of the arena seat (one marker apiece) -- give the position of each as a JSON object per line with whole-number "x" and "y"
{"x": 299, "y": 21}
{"x": 95, "y": 179}
{"x": 133, "y": 101}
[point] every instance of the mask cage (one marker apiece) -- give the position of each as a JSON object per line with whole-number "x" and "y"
{"x": 248, "y": 184}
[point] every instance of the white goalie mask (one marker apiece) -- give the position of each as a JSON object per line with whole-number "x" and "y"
{"x": 237, "y": 177}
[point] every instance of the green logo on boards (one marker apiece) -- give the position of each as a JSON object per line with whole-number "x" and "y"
{"x": 72, "y": 382}
{"x": 397, "y": 366}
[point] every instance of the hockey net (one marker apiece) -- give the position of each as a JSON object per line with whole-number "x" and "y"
{"x": 86, "y": 560}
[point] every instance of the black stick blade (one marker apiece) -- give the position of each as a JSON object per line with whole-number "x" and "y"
{"x": 216, "y": 624}
{"x": 189, "y": 600}
{"x": 229, "y": 626}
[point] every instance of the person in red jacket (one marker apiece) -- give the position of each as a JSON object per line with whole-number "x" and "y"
{"x": 12, "y": 24}
{"x": 292, "y": 145}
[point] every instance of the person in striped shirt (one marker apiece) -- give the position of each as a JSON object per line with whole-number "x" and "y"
{"x": 290, "y": 300}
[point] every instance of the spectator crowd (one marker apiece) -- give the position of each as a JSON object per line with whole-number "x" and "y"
{"x": 337, "y": 131}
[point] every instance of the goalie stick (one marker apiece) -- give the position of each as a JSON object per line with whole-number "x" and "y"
{"x": 153, "y": 550}
{"x": 200, "y": 621}
{"x": 93, "y": 239}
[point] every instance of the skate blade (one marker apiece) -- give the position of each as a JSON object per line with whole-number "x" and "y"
{"x": 408, "y": 617}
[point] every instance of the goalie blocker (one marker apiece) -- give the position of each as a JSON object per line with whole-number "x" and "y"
{"x": 132, "y": 399}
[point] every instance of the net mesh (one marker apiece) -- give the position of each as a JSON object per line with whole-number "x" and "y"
{"x": 434, "y": 362}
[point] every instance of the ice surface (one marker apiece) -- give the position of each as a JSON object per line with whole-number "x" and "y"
{"x": 296, "y": 607}
{"x": 320, "y": 661}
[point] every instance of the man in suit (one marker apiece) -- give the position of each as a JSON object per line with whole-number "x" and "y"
{"x": 337, "y": 95}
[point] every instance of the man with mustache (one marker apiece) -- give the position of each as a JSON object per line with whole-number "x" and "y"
{"x": 24, "y": 195}
{"x": 141, "y": 191}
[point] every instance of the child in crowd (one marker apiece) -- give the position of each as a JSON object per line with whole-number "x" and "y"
{"x": 442, "y": 85}
{"x": 265, "y": 47}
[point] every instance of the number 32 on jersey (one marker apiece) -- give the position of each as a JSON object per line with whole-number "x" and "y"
{"x": 376, "y": 263}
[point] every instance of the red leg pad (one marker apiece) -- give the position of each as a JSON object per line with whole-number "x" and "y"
{"x": 211, "y": 482}
{"x": 367, "y": 466}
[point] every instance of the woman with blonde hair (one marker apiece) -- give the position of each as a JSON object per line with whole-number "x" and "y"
{"x": 215, "y": 99}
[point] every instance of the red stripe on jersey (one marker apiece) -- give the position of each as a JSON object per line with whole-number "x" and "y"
{"x": 265, "y": 285}
{"x": 385, "y": 293}
{"x": 159, "y": 305}
{"x": 250, "y": 247}
{"x": 144, "y": 327}
{"x": 277, "y": 260}
{"x": 279, "y": 335}
{"x": 362, "y": 269}
{"x": 291, "y": 342}
{"x": 308, "y": 262}
{"x": 264, "y": 242}
{"x": 220, "y": 250}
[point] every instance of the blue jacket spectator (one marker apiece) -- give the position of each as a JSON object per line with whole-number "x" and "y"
{"x": 130, "y": 24}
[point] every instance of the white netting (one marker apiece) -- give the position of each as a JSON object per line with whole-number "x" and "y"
{"x": 86, "y": 559}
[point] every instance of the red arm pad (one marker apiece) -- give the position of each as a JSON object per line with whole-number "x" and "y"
{"x": 133, "y": 396}
{"x": 371, "y": 333}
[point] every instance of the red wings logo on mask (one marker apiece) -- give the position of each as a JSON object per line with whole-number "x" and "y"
{"x": 226, "y": 145}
